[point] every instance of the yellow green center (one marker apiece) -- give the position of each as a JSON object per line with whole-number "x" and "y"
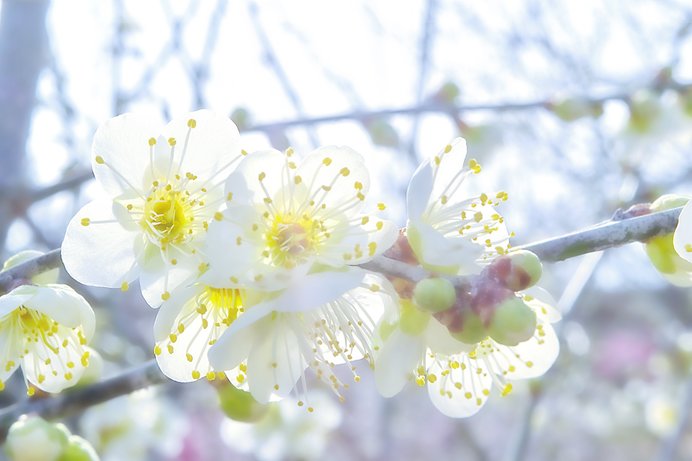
{"x": 167, "y": 216}
{"x": 291, "y": 239}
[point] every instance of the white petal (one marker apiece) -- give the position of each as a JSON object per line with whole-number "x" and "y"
{"x": 123, "y": 143}
{"x": 438, "y": 250}
{"x": 65, "y": 306}
{"x": 394, "y": 364}
{"x": 15, "y": 298}
{"x": 211, "y": 144}
{"x": 100, "y": 254}
{"x": 542, "y": 303}
{"x": 439, "y": 340}
{"x": 454, "y": 401}
{"x": 171, "y": 309}
{"x": 370, "y": 241}
{"x": 158, "y": 277}
{"x": 234, "y": 346}
{"x": 535, "y": 356}
{"x": 64, "y": 369}
{"x": 682, "y": 239}
{"x": 419, "y": 190}
{"x": 244, "y": 183}
{"x": 276, "y": 362}
{"x": 230, "y": 254}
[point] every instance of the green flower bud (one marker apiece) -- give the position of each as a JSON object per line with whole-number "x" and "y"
{"x": 78, "y": 449}
{"x": 513, "y": 322}
{"x": 33, "y": 439}
{"x": 412, "y": 320}
{"x": 472, "y": 331}
{"x": 239, "y": 405}
{"x": 434, "y": 294}
{"x": 526, "y": 270}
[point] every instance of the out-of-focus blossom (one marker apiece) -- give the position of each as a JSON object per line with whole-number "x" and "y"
{"x": 134, "y": 427}
{"x": 286, "y": 431}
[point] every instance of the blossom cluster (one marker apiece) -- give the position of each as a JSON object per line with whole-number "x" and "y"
{"x": 256, "y": 262}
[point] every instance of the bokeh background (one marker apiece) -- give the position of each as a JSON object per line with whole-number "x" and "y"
{"x": 575, "y": 109}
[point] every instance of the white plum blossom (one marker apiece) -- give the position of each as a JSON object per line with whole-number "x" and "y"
{"x": 459, "y": 376}
{"x": 44, "y": 329}
{"x": 447, "y": 230}
{"x": 139, "y": 426}
{"x": 284, "y": 220}
{"x": 162, "y": 187}
{"x": 295, "y": 232}
{"x": 326, "y": 319}
{"x": 457, "y": 235}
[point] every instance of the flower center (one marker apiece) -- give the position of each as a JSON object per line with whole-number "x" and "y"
{"x": 167, "y": 216}
{"x": 290, "y": 239}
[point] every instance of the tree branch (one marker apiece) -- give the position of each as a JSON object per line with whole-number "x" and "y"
{"x": 76, "y": 400}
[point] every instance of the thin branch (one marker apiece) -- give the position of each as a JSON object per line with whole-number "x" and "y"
{"x": 76, "y": 400}
{"x": 9, "y": 279}
{"x": 607, "y": 235}
{"x": 439, "y": 108}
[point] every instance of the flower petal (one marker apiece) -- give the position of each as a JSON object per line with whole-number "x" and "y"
{"x": 395, "y": 362}
{"x": 356, "y": 244}
{"x": 244, "y": 184}
{"x": 533, "y": 357}
{"x": 682, "y": 239}
{"x": 276, "y": 362}
{"x": 120, "y": 153}
{"x": 159, "y": 278}
{"x": 207, "y": 147}
{"x": 101, "y": 253}
{"x": 463, "y": 391}
{"x": 419, "y": 190}
{"x": 64, "y": 305}
{"x": 435, "y": 249}
{"x": 15, "y": 298}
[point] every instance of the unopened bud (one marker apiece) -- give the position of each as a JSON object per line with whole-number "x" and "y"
{"x": 571, "y": 109}
{"x": 33, "y": 439}
{"x": 517, "y": 270}
{"x": 668, "y": 202}
{"x": 434, "y": 294}
{"x": 240, "y": 405}
{"x": 513, "y": 322}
